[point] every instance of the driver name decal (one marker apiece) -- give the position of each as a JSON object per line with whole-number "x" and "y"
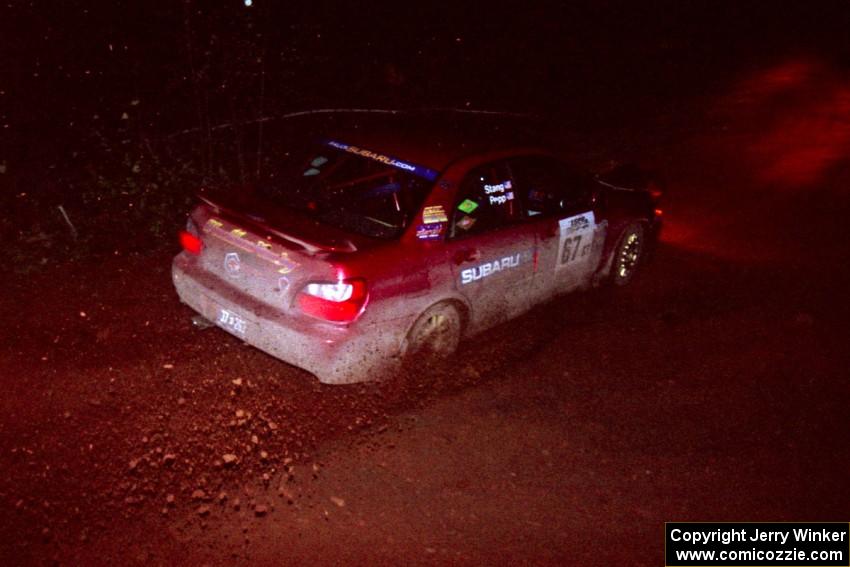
{"x": 499, "y": 193}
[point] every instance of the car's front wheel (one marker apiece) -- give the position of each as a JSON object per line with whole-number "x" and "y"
{"x": 628, "y": 255}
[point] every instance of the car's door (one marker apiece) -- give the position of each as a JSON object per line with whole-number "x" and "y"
{"x": 560, "y": 204}
{"x": 490, "y": 249}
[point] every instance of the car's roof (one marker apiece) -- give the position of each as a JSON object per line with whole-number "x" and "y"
{"x": 434, "y": 138}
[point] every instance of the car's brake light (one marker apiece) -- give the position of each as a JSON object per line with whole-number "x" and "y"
{"x": 191, "y": 243}
{"x": 339, "y": 302}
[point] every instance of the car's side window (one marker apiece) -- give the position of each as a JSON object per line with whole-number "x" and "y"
{"x": 486, "y": 201}
{"x": 547, "y": 187}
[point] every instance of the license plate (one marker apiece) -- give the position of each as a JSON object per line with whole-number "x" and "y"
{"x": 232, "y": 322}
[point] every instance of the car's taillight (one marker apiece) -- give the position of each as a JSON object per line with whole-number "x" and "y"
{"x": 191, "y": 243}
{"x": 339, "y": 302}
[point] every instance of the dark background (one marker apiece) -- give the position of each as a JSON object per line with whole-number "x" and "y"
{"x": 712, "y": 389}
{"x": 124, "y": 108}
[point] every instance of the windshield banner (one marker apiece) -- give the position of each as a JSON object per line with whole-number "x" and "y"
{"x": 424, "y": 172}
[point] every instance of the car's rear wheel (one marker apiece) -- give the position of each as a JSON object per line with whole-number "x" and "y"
{"x": 628, "y": 255}
{"x": 435, "y": 334}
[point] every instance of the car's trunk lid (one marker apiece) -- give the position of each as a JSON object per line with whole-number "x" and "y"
{"x": 268, "y": 255}
{"x": 283, "y": 223}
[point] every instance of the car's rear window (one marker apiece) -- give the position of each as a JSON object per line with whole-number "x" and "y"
{"x": 350, "y": 188}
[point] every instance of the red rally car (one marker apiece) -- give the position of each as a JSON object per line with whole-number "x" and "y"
{"x": 373, "y": 245}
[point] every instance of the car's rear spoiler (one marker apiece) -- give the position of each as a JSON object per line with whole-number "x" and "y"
{"x": 310, "y": 235}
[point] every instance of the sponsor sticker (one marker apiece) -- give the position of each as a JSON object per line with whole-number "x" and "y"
{"x": 286, "y": 265}
{"x": 429, "y": 231}
{"x": 434, "y": 214}
{"x": 465, "y": 222}
{"x": 468, "y": 206}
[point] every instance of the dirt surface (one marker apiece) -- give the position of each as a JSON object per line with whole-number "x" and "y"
{"x": 714, "y": 388}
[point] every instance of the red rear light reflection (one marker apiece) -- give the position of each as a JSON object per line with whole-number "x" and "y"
{"x": 191, "y": 243}
{"x": 340, "y": 302}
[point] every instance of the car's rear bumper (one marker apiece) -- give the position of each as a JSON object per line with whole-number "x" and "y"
{"x": 335, "y": 354}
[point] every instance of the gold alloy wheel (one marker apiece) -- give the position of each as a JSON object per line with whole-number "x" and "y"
{"x": 629, "y": 255}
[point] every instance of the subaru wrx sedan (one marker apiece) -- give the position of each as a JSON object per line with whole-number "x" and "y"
{"x": 368, "y": 249}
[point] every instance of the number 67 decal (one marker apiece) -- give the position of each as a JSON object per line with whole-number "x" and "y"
{"x": 573, "y": 230}
{"x": 571, "y": 248}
